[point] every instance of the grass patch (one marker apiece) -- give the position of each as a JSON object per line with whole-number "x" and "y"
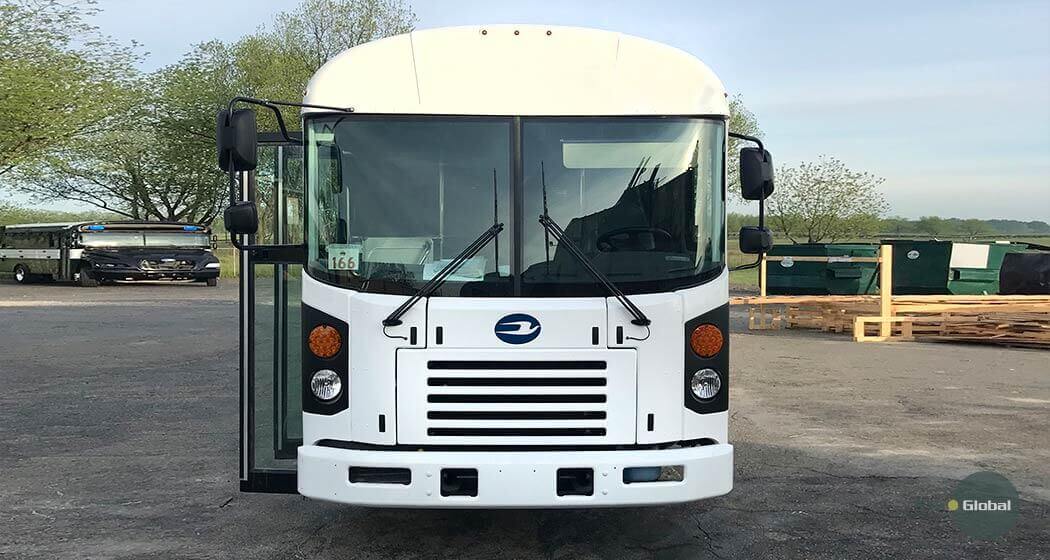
{"x": 741, "y": 279}
{"x": 228, "y": 260}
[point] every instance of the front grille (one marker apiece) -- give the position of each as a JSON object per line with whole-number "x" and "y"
{"x": 516, "y": 382}
{"x": 489, "y": 384}
{"x": 576, "y": 390}
{"x": 516, "y": 398}
{"x": 166, "y": 265}
{"x": 501, "y": 397}
{"x": 516, "y": 364}
{"x": 516, "y": 431}
{"x": 524, "y": 415}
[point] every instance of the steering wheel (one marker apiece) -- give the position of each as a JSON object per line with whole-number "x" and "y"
{"x": 635, "y": 238}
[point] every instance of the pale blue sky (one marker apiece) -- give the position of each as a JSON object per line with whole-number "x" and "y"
{"x": 948, "y": 100}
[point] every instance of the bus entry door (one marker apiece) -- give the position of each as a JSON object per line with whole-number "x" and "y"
{"x": 271, "y": 283}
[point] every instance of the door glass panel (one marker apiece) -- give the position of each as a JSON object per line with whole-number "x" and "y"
{"x": 266, "y": 179}
{"x": 277, "y": 404}
{"x": 291, "y": 158}
{"x": 290, "y": 401}
{"x": 279, "y": 193}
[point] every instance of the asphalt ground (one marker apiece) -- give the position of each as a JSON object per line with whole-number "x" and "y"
{"x": 119, "y": 430}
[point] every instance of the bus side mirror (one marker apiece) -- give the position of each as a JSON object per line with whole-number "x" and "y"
{"x": 755, "y": 240}
{"x": 240, "y": 218}
{"x": 236, "y": 139}
{"x": 756, "y": 174}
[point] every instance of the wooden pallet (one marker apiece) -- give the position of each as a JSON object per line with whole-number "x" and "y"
{"x": 1001, "y": 327}
{"x": 1018, "y": 320}
{"x": 1014, "y": 320}
{"x": 826, "y": 313}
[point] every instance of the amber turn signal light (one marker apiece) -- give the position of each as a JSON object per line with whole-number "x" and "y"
{"x": 706, "y": 340}
{"x": 324, "y": 341}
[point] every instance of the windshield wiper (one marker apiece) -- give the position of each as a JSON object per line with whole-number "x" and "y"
{"x": 559, "y": 235}
{"x": 394, "y": 319}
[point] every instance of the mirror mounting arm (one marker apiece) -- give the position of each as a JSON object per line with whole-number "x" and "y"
{"x": 761, "y": 201}
{"x": 754, "y": 139}
{"x": 273, "y": 106}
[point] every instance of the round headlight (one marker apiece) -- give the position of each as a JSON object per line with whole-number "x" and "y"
{"x": 326, "y": 385}
{"x": 705, "y": 384}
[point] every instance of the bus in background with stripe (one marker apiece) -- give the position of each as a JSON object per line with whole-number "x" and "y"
{"x": 92, "y": 252}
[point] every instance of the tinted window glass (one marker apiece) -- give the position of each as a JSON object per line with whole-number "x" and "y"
{"x": 641, "y": 197}
{"x": 394, "y": 200}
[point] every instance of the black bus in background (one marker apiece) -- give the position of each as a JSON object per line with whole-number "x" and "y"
{"x": 93, "y": 252}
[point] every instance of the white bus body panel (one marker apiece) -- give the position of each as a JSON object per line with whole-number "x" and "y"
{"x": 29, "y": 254}
{"x": 469, "y": 322}
{"x": 524, "y": 70}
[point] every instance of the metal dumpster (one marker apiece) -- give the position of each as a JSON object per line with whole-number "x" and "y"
{"x": 1026, "y": 273}
{"x": 840, "y": 276}
{"x": 948, "y": 267}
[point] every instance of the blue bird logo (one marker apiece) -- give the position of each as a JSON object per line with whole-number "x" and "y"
{"x": 517, "y": 328}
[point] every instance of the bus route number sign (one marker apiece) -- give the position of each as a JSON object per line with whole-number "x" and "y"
{"x": 344, "y": 257}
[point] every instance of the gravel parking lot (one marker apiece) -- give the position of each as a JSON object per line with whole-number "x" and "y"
{"x": 118, "y": 439}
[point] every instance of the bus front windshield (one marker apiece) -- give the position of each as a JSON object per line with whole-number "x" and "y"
{"x": 392, "y": 200}
{"x": 138, "y": 239}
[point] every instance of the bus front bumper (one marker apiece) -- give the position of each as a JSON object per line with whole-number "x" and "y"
{"x": 516, "y": 479}
{"x": 138, "y": 274}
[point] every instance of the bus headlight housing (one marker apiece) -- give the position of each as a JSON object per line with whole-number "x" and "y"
{"x": 326, "y": 385}
{"x": 706, "y": 383}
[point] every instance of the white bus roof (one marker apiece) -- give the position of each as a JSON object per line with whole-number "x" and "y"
{"x": 53, "y": 225}
{"x": 107, "y": 224}
{"x": 518, "y": 70}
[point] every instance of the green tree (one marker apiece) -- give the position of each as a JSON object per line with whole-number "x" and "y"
{"x": 826, "y": 201}
{"x": 896, "y": 225}
{"x": 147, "y": 168}
{"x": 160, "y": 164}
{"x": 17, "y": 214}
{"x": 130, "y": 173}
{"x": 933, "y": 225}
{"x": 736, "y": 220}
{"x": 974, "y": 228}
{"x": 277, "y": 61}
{"x": 59, "y": 78}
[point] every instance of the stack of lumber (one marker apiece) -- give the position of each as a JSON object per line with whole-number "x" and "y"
{"x": 826, "y": 313}
{"x": 1013, "y": 320}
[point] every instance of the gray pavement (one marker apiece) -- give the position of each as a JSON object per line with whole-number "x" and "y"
{"x": 118, "y": 439}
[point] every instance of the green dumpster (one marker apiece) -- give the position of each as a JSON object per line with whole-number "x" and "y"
{"x": 840, "y": 276}
{"x": 948, "y": 267}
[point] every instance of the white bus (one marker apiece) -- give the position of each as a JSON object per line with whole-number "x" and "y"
{"x": 490, "y": 273}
